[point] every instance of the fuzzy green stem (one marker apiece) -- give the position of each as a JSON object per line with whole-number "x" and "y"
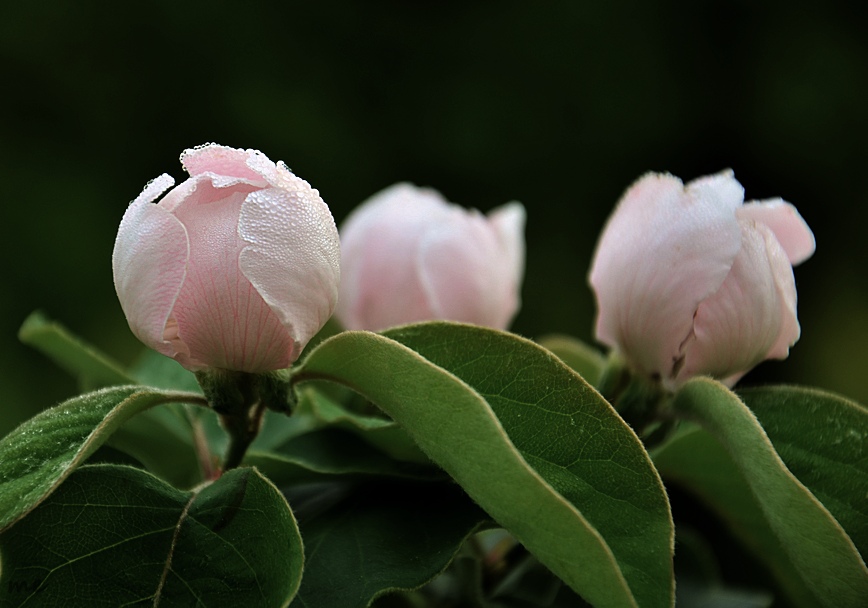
{"x": 240, "y": 399}
{"x": 242, "y": 428}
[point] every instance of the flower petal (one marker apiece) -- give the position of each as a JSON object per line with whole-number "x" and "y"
{"x": 786, "y": 223}
{"x": 148, "y": 264}
{"x": 380, "y": 286}
{"x": 751, "y": 317}
{"x": 292, "y": 256}
{"x": 508, "y": 222}
{"x": 228, "y": 163}
{"x": 206, "y": 188}
{"x": 665, "y": 249}
{"x": 219, "y": 315}
{"x": 463, "y": 271}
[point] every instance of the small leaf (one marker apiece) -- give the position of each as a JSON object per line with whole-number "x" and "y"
{"x": 154, "y": 369}
{"x": 325, "y": 453}
{"x": 155, "y": 438}
{"x": 383, "y": 537}
{"x": 385, "y": 435}
{"x": 37, "y": 456}
{"x": 93, "y": 368}
{"x": 585, "y": 360}
{"x": 115, "y": 535}
{"x": 818, "y": 546}
{"x": 530, "y": 441}
{"x": 823, "y": 440}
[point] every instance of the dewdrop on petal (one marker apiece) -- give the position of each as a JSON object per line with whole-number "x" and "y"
{"x": 236, "y": 268}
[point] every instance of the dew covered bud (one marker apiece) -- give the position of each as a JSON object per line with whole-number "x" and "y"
{"x": 235, "y": 268}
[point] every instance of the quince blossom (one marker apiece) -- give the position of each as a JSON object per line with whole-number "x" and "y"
{"x": 235, "y": 268}
{"x": 690, "y": 281}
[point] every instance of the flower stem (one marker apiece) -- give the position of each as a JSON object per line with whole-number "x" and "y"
{"x": 243, "y": 427}
{"x": 240, "y": 399}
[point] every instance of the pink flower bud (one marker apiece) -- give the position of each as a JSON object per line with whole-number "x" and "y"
{"x": 408, "y": 255}
{"x": 236, "y": 268}
{"x": 689, "y": 281}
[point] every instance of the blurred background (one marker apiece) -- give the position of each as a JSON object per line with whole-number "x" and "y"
{"x": 560, "y": 105}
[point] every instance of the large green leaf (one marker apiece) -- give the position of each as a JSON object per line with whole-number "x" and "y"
{"x": 38, "y": 455}
{"x": 117, "y": 536}
{"x": 381, "y": 538}
{"x": 815, "y": 542}
{"x": 93, "y": 368}
{"x": 698, "y": 462}
{"x": 823, "y": 439}
{"x": 530, "y": 441}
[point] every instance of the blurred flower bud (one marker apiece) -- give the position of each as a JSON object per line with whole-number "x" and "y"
{"x": 236, "y": 268}
{"x": 689, "y": 281}
{"x": 409, "y": 255}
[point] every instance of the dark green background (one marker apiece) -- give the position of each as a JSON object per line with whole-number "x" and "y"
{"x": 560, "y": 105}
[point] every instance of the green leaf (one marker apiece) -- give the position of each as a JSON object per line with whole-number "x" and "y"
{"x": 381, "y": 538}
{"x": 189, "y": 430}
{"x": 37, "y": 456}
{"x": 385, "y": 435}
{"x": 93, "y": 368}
{"x": 325, "y": 453}
{"x": 161, "y": 438}
{"x": 585, "y": 360}
{"x": 823, "y": 440}
{"x": 530, "y": 441}
{"x": 163, "y": 442}
{"x": 155, "y": 369}
{"x": 117, "y": 536}
{"x": 815, "y": 542}
{"x": 698, "y": 462}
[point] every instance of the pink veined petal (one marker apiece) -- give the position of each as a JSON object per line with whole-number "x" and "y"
{"x": 222, "y": 161}
{"x": 148, "y": 264}
{"x": 786, "y": 223}
{"x": 219, "y": 315}
{"x": 464, "y": 272}
{"x": 664, "y": 250}
{"x": 380, "y": 286}
{"x": 750, "y": 318}
{"x": 508, "y": 222}
{"x": 291, "y": 255}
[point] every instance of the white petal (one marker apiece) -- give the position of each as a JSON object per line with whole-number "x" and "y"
{"x": 751, "y": 317}
{"x": 228, "y": 163}
{"x": 292, "y": 257}
{"x": 664, "y": 250}
{"x": 380, "y": 286}
{"x": 465, "y": 273}
{"x": 508, "y": 222}
{"x": 786, "y": 223}
{"x": 148, "y": 265}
